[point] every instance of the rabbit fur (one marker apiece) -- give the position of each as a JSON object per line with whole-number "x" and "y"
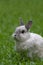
{"x": 26, "y": 40}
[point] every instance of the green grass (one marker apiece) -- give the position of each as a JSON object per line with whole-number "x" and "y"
{"x": 10, "y": 11}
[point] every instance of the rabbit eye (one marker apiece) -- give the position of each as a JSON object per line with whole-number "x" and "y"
{"x": 23, "y": 31}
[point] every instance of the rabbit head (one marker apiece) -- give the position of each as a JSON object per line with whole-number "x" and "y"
{"x": 21, "y": 33}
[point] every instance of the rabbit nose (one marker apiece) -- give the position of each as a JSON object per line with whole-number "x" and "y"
{"x": 14, "y": 35}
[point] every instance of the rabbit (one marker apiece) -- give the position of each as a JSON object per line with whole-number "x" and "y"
{"x": 28, "y": 41}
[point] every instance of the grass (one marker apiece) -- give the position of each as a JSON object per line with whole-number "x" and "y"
{"x": 10, "y": 11}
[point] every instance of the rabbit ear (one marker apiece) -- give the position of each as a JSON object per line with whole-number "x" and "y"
{"x": 28, "y": 25}
{"x": 21, "y": 21}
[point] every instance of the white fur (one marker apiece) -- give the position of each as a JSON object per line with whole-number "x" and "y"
{"x": 29, "y": 41}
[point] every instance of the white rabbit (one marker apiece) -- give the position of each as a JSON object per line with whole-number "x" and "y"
{"x": 25, "y": 40}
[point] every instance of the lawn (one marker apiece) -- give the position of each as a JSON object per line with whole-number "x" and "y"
{"x": 10, "y": 11}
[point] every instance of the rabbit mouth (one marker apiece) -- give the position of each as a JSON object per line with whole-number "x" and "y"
{"x": 16, "y": 39}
